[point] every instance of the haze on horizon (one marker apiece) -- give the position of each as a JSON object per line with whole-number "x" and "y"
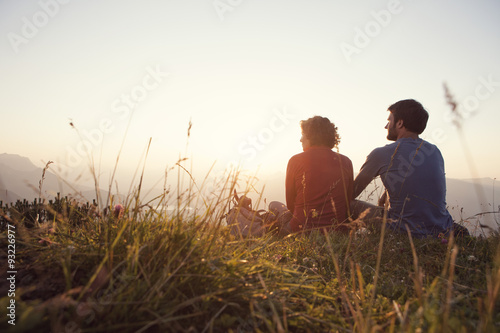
{"x": 243, "y": 73}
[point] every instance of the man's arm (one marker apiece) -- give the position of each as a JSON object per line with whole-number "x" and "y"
{"x": 368, "y": 172}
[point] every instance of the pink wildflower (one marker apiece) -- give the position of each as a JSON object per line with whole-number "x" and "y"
{"x": 118, "y": 211}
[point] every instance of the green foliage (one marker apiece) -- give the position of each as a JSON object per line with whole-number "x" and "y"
{"x": 152, "y": 270}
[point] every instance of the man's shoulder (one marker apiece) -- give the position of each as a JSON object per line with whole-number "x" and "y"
{"x": 388, "y": 149}
{"x": 429, "y": 145}
{"x": 422, "y": 146}
{"x": 404, "y": 144}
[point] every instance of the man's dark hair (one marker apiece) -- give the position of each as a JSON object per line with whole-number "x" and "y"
{"x": 412, "y": 113}
{"x": 320, "y": 131}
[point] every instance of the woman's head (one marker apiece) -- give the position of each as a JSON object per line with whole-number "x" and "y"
{"x": 319, "y": 131}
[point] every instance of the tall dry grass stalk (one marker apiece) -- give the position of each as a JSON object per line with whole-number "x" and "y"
{"x": 458, "y": 122}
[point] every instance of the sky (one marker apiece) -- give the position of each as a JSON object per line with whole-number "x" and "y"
{"x": 240, "y": 75}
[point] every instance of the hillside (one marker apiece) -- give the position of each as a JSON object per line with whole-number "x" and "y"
{"x": 20, "y": 179}
{"x": 148, "y": 270}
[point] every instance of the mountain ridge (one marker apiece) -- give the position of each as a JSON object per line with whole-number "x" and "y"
{"x": 21, "y": 179}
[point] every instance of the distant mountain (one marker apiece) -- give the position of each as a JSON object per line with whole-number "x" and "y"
{"x": 16, "y": 162}
{"x": 20, "y": 179}
{"x": 8, "y": 196}
{"x": 468, "y": 194}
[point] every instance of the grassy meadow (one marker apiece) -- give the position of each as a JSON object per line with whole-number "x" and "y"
{"x": 146, "y": 268}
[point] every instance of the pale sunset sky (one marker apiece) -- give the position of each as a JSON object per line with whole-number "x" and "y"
{"x": 244, "y": 73}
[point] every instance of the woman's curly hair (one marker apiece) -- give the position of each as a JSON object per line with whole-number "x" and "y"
{"x": 320, "y": 131}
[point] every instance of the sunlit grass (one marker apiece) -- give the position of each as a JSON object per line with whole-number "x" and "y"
{"x": 149, "y": 269}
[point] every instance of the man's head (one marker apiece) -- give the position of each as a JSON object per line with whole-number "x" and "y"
{"x": 319, "y": 131}
{"x": 407, "y": 116}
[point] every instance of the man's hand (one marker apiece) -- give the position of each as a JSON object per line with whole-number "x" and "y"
{"x": 382, "y": 199}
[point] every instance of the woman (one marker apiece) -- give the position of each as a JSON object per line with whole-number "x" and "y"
{"x": 319, "y": 181}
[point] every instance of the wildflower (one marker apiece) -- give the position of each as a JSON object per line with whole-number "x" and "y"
{"x": 309, "y": 262}
{"x": 443, "y": 238}
{"x": 118, "y": 211}
{"x": 44, "y": 241}
{"x": 363, "y": 231}
{"x": 280, "y": 258}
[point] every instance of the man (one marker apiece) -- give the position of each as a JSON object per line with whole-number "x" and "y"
{"x": 412, "y": 171}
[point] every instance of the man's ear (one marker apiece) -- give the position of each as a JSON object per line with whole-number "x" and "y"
{"x": 399, "y": 124}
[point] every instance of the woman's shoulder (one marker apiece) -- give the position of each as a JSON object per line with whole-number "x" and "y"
{"x": 296, "y": 158}
{"x": 342, "y": 156}
{"x": 345, "y": 159}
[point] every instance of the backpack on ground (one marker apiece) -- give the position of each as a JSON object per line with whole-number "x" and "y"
{"x": 245, "y": 222}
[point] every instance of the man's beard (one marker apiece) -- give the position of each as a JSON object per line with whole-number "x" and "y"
{"x": 391, "y": 133}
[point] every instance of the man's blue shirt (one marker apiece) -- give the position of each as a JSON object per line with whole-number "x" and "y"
{"x": 412, "y": 171}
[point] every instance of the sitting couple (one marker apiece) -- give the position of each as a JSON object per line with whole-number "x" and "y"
{"x": 321, "y": 191}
